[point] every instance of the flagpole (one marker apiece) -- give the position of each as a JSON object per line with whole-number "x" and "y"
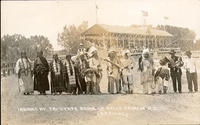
{"x": 96, "y": 16}
{"x": 145, "y": 14}
{"x": 96, "y": 7}
{"x": 165, "y": 21}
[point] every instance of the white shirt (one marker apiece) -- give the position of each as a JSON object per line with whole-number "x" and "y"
{"x": 127, "y": 65}
{"x": 190, "y": 64}
{"x": 23, "y": 63}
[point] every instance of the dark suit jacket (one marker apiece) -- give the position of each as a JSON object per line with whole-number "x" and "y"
{"x": 176, "y": 69}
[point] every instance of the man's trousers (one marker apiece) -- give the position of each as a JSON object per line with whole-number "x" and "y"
{"x": 192, "y": 80}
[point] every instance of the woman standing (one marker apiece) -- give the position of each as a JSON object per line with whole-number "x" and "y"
{"x": 41, "y": 71}
{"x": 113, "y": 69}
{"x": 127, "y": 72}
{"x": 57, "y": 83}
{"x": 23, "y": 70}
{"x": 69, "y": 75}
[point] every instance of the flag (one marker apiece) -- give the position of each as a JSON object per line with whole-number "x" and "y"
{"x": 166, "y": 18}
{"x": 144, "y": 13}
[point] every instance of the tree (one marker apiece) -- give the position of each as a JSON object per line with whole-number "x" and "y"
{"x": 197, "y": 45}
{"x": 70, "y": 37}
{"x": 182, "y": 37}
{"x": 40, "y": 43}
{"x": 12, "y": 45}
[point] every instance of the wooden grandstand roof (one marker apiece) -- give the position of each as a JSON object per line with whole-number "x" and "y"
{"x": 140, "y": 30}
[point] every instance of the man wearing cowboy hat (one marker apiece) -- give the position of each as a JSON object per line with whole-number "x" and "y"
{"x": 191, "y": 72}
{"x": 175, "y": 65}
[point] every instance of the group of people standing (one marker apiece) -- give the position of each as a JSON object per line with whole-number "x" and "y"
{"x": 34, "y": 75}
{"x": 156, "y": 79}
{"x": 82, "y": 73}
{"x": 76, "y": 75}
{"x": 120, "y": 71}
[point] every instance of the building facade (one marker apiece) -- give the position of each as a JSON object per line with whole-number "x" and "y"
{"x": 126, "y": 37}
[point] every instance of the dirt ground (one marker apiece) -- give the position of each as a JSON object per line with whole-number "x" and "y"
{"x": 99, "y": 109}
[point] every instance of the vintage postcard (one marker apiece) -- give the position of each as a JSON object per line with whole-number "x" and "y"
{"x": 94, "y": 62}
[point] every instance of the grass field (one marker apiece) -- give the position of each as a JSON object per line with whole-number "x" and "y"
{"x": 102, "y": 109}
{"x": 98, "y": 109}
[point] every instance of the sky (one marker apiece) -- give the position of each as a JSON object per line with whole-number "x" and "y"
{"x": 49, "y": 17}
